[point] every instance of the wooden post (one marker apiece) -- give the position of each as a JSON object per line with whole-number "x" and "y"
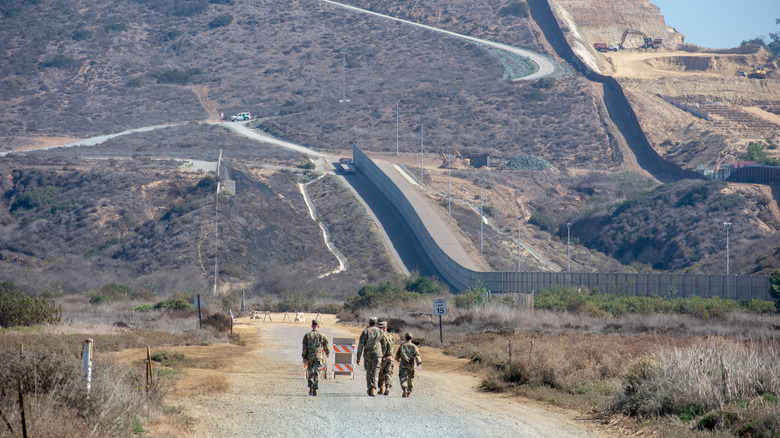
{"x": 510, "y": 352}
{"x": 21, "y": 350}
{"x": 21, "y": 408}
{"x": 149, "y": 374}
{"x": 200, "y": 322}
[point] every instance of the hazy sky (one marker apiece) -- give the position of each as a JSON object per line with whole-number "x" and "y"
{"x": 721, "y": 24}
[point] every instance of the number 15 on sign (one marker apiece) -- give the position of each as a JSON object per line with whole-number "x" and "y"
{"x": 440, "y": 308}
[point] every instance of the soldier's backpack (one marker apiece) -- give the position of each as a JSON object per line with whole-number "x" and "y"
{"x": 314, "y": 344}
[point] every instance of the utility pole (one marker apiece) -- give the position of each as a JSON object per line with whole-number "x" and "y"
{"x": 568, "y": 247}
{"x": 216, "y": 227}
{"x": 727, "y": 225}
{"x": 449, "y": 183}
{"x": 396, "y": 127}
{"x": 481, "y": 214}
{"x": 519, "y": 228}
{"x": 421, "y": 152}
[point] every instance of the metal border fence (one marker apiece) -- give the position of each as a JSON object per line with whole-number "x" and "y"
{"x": 735, "y": 287}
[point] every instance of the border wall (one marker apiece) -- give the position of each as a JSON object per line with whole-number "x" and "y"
{"x": 736, "y": 287}
{"x": 623, "y": 115}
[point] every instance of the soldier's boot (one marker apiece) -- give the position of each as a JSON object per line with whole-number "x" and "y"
{"x": 387, "y": 390}
{"x": 372, "y": 391}
{"x": 314, "y": 391}
{"x": 310, "y": 390}
{"x": 405, "y": 394}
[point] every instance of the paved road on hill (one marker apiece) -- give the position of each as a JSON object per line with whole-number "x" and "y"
{"x": 265, "y": 395}
{"x": 546, "y": 67}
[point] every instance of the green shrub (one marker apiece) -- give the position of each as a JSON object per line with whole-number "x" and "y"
{"x": 36, "y": 197}
{"x": 168, "y": 358}
{"x": 172, "y": 34}
{"x": 385, "y": 295}
{"x": 514, "y": 9}
{"x": 175, "y": 76}
{"x": 422, "y": 285}
{"x": 144, "y": 308}
{"x": 220, "y": 21}
{"x": 60, "y": 61}
{"x": 82, "y": 34}
{"x": 175, "y": 303}
{"x": 729, "y": 202}
{"x": 774, "y": 286}
{"x": 18, "y": 309}
{"x": 100, "y": 299}
{"x": 116, "y": 27}
{"x": 544, "y": 222}
{"x": 134, "y": 83}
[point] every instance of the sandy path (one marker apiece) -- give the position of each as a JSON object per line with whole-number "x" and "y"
{"x": 259, "y": 390}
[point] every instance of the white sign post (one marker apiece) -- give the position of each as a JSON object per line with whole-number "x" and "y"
{"x": 440, "y": 308}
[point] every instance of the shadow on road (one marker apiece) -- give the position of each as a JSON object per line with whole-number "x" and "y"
{"x": 407, "y": 246}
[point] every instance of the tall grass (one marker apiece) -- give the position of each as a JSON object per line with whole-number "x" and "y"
{"x": 57, "y": 401}
{"x": 708, "y": 375}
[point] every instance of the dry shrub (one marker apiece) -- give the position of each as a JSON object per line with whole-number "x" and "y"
{"x": 709, "y": 375}
{"x": 55, "y": 389}
{"x": 219, "y": 321}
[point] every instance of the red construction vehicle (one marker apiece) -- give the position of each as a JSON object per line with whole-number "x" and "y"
{"x": 346, "y": 166}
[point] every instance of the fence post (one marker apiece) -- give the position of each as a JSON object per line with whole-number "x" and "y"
{"x": 88, "y": 363}
{"x": 21, "y": 408}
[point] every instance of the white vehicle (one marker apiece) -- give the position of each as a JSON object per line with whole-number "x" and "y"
{"x": 240, "y": 117}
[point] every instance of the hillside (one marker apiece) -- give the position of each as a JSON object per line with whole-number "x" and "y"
{"x": 72, "y": 223}
{"x": 82, "y": 68}
{"x": 679, "y": 227}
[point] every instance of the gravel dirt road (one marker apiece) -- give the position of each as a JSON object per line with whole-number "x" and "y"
{"x": 259, "y": 390}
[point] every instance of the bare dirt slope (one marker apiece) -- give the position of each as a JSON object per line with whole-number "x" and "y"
{"x": 259, "y": 390}
{"x": 731, "y": 108}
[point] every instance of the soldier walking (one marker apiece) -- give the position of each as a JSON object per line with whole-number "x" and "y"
{"x": 372, "y": 347}
{"x": 386, "y": 369}
{"x": 314, "y": 343}
{"x": 408, "y": 355}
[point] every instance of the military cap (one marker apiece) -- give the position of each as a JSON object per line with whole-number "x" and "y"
{"x": 383, "y": 324}
{"x": 315, "y": 322}
{"x": 372, "y": 320}
{"x": 408, "y": 335}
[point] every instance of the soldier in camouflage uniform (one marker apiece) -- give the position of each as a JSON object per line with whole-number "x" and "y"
{"x": 408, "y": 356}
{"x": 314, "y": 343}
{"x": 372, "y": 347}
{"x": 386, "y": 369}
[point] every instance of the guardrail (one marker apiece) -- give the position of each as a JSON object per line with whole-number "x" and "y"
{"x": 638, "y": 284}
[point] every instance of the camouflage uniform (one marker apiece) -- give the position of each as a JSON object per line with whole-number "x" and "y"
{"x": 314, "y": 343}
{"x": 408, "y": 356}
{"x": 372, "y": 346}
{"x": 386, "y": 370}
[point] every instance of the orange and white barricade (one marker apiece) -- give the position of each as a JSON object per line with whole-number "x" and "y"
{"x": 343, "y": 357}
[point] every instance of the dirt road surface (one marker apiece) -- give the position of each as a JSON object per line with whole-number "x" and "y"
{"x": 259, "y": 390}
